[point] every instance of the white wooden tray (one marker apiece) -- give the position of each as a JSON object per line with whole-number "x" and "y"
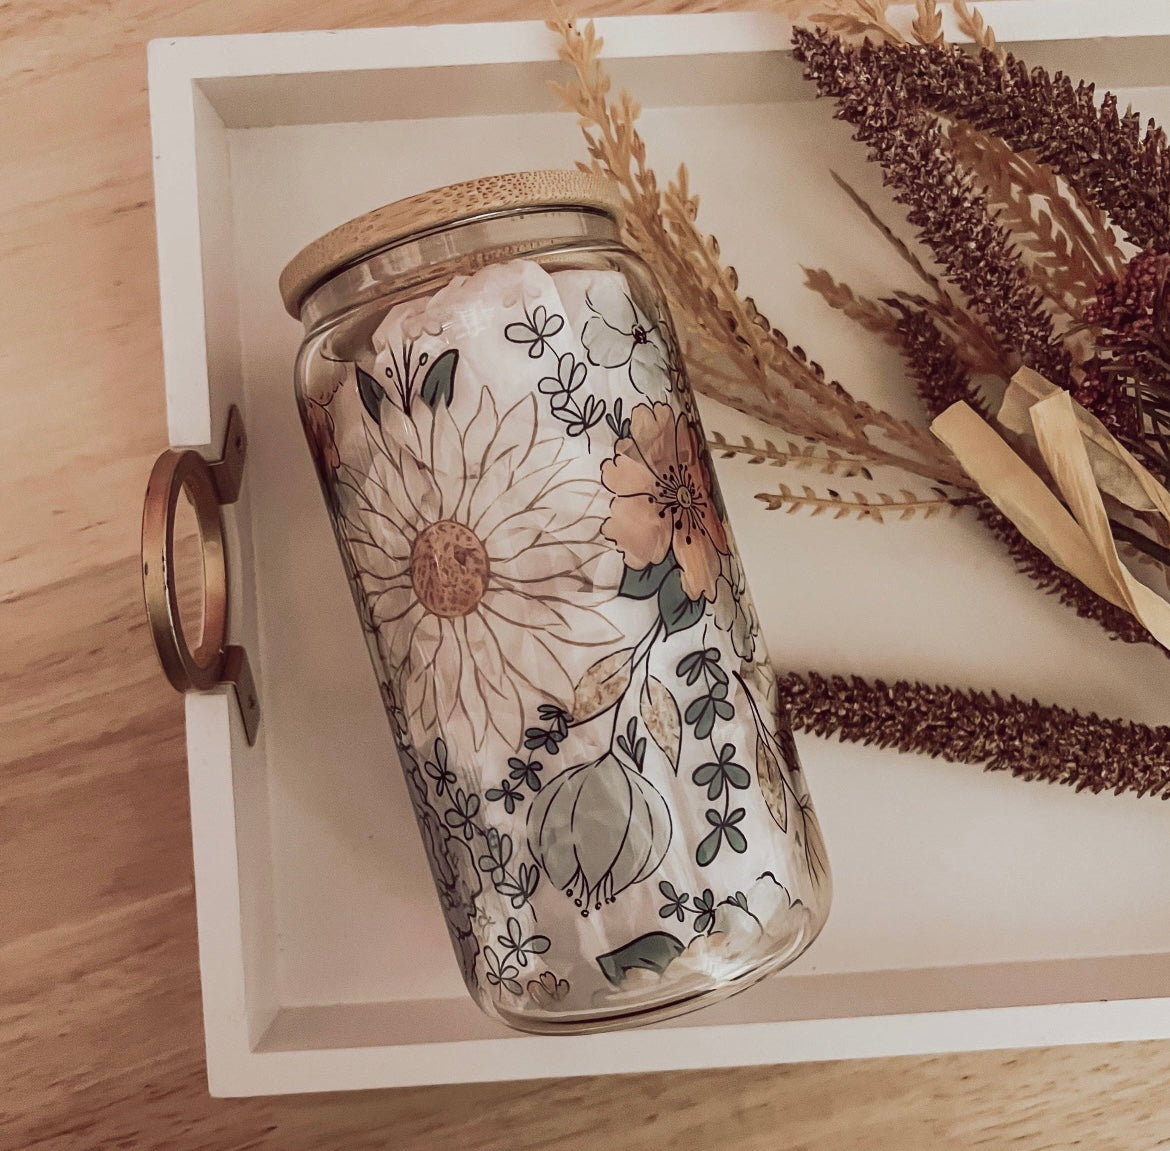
{"x": 971, "y": 910}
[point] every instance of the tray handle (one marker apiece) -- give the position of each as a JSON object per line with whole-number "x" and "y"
{"x": 209, "y": 486}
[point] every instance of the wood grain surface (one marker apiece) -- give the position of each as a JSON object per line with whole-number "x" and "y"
{"x": 100, "y": 1035}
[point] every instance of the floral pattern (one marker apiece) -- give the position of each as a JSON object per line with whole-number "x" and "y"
{"x": 734, "y": 611}
{"x": 619, "y": 335}
{"x": 597, "y": 829}
{"x": 477, "y": 577}
{"x": 662, "y": 499}
{"x": 454, "y": 873}
{"x": 566, "y": 646}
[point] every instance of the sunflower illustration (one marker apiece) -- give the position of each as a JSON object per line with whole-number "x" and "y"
{"x": 477, "y": 545}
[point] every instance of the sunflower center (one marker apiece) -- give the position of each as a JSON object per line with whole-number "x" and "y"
{"x": 449, "y": 569}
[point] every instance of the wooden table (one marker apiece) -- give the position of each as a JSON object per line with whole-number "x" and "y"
{"x": 100, "y": 1032}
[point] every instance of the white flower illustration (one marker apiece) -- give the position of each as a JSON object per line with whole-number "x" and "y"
{"x": 618, "y": 335}
{"x": 734, "y": 612}
{"x": 477, "y": 546}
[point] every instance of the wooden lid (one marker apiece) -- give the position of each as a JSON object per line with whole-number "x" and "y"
{"x": 393, "y": 222}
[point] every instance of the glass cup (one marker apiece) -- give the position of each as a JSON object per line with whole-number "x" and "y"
{"x": 610, "y": 798}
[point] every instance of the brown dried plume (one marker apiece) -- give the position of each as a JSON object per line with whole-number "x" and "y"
{"x": 1107, "y": 156}
{"x": 1003, "y": 733}
{"x": 942, "y": 203}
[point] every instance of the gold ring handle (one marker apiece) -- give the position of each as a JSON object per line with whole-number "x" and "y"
{"x": 208, "y": 486}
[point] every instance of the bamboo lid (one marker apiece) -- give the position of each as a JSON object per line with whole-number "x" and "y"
{"x": 393, "y": 222}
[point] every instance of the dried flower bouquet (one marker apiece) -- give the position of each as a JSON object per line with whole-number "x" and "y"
{"x": 1046, "y": 219}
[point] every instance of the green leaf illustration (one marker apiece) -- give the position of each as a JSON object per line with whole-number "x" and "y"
{"x": 372, "y": 394}
{"x": 709, "y": 847}
{"x": 644, "y": 583}
{"x": 677, "y": 611}
{"x": 653, "y": 952}
{"x": 736, "y": 839}
{"x": 701, "y": 713}
{"x": 439, "y": 383}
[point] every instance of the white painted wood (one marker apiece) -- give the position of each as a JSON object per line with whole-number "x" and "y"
{"x": 971, "y": 911}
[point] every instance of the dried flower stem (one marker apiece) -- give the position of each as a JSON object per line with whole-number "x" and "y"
{"x": 833, "y": 417}
{"x": 871, "y": 315}
{"x": 870, "y": 18}
{"x": 927, "y": 26}
{"x": 973, "y": 26}
{"x": 979, "y": 347}
{"x": 902, "y": 505}
{"x": 935, "y": 365}
{"x": 810, "y": 456}
{"x": 1017, "y": 181}
{"x": 1056, "y": 744}
{"x": 852, "y": 17}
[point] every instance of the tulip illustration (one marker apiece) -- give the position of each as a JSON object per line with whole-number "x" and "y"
{"x": 598, "y": 828}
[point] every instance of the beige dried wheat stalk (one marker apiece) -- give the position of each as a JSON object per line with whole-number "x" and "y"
{"x": 872, "y": 315}
{"x": 812, "y": 457}
{"x": 978, "y": 347}
{"x": 880, "y": 508}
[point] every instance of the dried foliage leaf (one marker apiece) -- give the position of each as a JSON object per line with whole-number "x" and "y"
{"x": 972, "y": 25}
{"x": 941, "y": 376}
{"x": 868, "y": 314}
{"x": 904, "y": 251}
{"x": 952, "y": 218}
{"x": 809, "y": 455}
{"x": 602, "y": 685}
{"x": 879, "y": 508}
{"x": 849, "y": 24}
{"x": 857, "y": 18}
{"x": 1111, "y": 159}
{"x": 980, "y": 349}
{"x": 1069, "y": 246}
{"x": 927, "y": 25}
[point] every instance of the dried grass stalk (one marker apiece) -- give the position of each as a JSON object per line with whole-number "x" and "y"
{"x": 978, "y": 346}
{"x": 875, "y": 317}
{"x": 1003, "y": 733}
{"x": 927, "y": 26}
{"x": 808, "y": 456}
{"x": 879, "y": 508}
{"x": 974, "y": 27}
{"x": 852, "y": 17}
{"x": 1083, "y": 250}
{"x": 865, "y": 19}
